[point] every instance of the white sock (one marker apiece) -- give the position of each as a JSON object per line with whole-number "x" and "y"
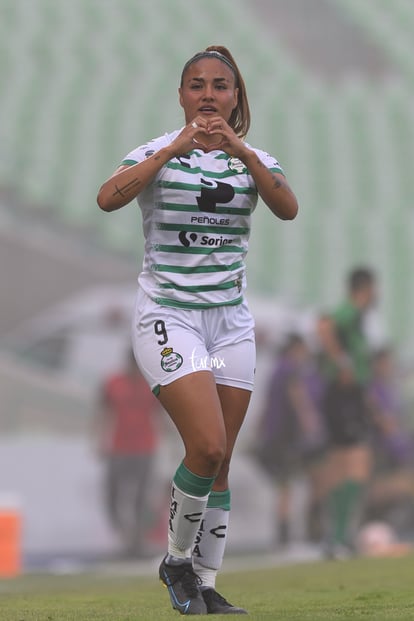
{"x": 209, "y": 545}
{"x": 186, "y": 513}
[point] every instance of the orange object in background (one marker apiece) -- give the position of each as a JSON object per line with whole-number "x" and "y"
{"x": 10, "y": 538}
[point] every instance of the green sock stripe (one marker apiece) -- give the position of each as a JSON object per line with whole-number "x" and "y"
{"x": 339, "y": 517}
{"x": 343, "y": 500}
{"x": 219, "y": 500}
{"x": 192, "y": 484}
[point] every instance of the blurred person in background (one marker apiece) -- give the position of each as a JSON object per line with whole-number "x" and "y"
{"x": 128, "y": 438}
{"x": 346, "y": 364}
{"x": 391, "y": 493}
{"x": 290, "y": 436}
{"x": 193, "y": 332}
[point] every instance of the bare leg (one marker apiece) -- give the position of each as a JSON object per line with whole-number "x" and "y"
{"x": 234, "y": 404}
{"x": 283, "y": 512}
{"x": 210, "y": 542}
{"x": 208, "y": 419}
{"x": 318, "y": 487}
{"x": 353, "y": 462}
{"x": 193, "y": 404}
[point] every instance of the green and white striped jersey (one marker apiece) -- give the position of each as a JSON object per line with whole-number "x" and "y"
{"x": 196, "y": 222}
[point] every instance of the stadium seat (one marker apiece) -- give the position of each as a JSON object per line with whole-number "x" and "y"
{"x": 83, "y": 82}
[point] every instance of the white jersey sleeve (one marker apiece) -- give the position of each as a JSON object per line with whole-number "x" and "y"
{"x": 139, "y": 154}
{"x": 268, "y": 160}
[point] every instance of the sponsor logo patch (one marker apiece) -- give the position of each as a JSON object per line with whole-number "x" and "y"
{"x": 210, "y": 220}
{"x": 187, "y": 239}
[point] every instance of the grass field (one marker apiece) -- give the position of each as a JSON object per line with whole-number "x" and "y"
{"x": 381, "y": 590}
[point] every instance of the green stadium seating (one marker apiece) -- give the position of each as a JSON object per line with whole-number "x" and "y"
{"x": 82, "y": 82}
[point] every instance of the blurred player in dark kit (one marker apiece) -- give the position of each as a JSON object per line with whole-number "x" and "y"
{"x": 346, "y": 363}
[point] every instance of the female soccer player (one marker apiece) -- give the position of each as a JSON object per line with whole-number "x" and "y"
{"x": 193, "y": 334}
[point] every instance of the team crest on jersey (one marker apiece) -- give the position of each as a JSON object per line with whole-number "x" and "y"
{"x": 236, "y": 165}
{"x": 170, "y": 360}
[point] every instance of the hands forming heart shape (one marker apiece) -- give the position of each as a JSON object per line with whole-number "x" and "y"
{"x": 210, "y": 135}
{"x": 208, "y": 146}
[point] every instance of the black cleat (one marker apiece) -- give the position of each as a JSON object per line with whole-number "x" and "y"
{"x": 183, "y": 587}
{"x": 217, "y": 605}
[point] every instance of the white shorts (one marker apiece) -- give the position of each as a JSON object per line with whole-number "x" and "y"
{"x": 172, "y": 342}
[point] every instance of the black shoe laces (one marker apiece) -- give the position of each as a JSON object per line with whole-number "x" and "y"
{"x": 189, "y": 581}
{"x": 214, "y": 595}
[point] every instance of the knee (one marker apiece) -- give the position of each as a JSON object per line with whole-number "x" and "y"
{"x": 223, "y": 474}
{"x": 213, "y": 456}
{"x": 207, "y": 457}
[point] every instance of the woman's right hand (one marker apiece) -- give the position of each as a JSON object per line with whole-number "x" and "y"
{"x": 190, "y": 137}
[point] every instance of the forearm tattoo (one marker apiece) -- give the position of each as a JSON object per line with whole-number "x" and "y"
{"x": 278, "y": 183}
{"x": 131, "y": 188}
{"x": 126, "y": 189}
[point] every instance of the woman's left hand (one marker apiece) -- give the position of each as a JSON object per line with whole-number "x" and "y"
{"x": 227, "y": 140}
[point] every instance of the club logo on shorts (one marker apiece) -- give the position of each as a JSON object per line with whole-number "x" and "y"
{"x": 170, "y": 360}
{"x": 236, "y": 165}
